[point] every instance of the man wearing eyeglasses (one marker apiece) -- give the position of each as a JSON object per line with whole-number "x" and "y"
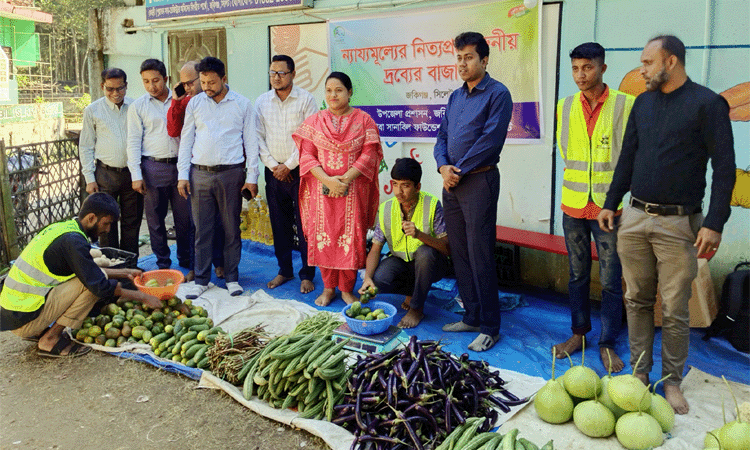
{"x": 190, "y": 85}
{"x": 104, "y": 159}
{"x": 280, "y": 112}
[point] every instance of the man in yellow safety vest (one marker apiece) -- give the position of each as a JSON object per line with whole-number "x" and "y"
{"x": 56, "y": 282}
{"x": 591, "y": 125}
{"x": 412, "y": 225}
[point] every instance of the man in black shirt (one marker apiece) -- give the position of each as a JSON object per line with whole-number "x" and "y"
{"x": 673, "y": 130}
{"x": 56, "y": 281}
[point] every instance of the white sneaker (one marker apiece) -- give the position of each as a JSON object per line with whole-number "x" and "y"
{"x": 196, "y": 291}
{"x": 234, "y": 288}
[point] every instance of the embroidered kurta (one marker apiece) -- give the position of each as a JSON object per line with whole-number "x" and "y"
{"x": 336, "y": 228}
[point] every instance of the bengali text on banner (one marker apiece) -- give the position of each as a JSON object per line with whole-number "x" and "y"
{"x": 404, "y": 67}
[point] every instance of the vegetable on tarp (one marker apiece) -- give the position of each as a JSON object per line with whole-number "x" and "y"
{"x": 627, "y": 391}
{"x": 552, "y": 403}
{"x": 604, "y": 398}
{"x": 661, "y": 410}
{"x": 415, "y": 396}
{"x": 581, "y": 381}
{"x": 734, "y": 435}
{"x": 638, "y": 430}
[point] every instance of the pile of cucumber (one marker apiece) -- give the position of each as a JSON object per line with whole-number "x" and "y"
{"x": 306, "y": 371}
{"x": 466, "y": 437}
{"x": 359, "y": 312}
{"x": 187, "y": 341}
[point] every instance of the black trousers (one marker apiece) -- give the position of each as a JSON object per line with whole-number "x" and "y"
{"x": 283, "y": 208}
{"x": 120, "y": 186}
{"x": 470, "y": 216}
{"x": 212, "y": 194}
{"x": 414, "y": 278}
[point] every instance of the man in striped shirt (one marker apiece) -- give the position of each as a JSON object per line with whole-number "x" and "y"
{"x": 280, "y": 111}
{"x": 104, "y": 160}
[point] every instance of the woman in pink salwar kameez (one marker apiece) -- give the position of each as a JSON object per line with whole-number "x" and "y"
{"x": 340, "y": 156}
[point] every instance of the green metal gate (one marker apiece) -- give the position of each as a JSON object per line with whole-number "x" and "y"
{"x": 39, "y": 184}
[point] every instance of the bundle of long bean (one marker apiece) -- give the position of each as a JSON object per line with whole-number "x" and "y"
{"x": 413, "y": 397}
{"x": 321, "y": 323}
{"x": 228, "y": 355}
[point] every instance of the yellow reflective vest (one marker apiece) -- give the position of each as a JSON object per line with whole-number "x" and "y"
{"x": 29, "y": 280}
{"x": 390, "y": 218}
{"x": 590, "y": 162}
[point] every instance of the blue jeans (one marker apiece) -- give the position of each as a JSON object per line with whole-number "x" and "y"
{"x": 578, "y": 234}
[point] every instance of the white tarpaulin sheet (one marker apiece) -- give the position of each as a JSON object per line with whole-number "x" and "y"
{"x": 702, "y": 391}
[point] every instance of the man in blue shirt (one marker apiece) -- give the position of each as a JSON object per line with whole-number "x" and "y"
{"x": 467, "y": 151}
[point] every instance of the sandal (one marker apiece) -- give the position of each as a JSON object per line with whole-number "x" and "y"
{"x": 62, "y": 343}
{"x": 34, "y": 338}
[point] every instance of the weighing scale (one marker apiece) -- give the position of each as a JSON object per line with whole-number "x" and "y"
{"x": 376, "y": 343}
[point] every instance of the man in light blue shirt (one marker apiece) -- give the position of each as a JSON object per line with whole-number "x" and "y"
{"x": 152, "y": 159}
{"x": 218, "y": 144}
{"x": 104, "y": 160}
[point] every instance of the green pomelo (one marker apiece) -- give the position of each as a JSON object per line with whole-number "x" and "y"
{"x": 582, "y": 382}
{"x": 662, "y": 411}
{"x": 627, "y": 392}
{"x": 553, "y": 404}
{"x": 735, "y": 435}
{"x": 712, "y": 438}
{"x": 594, "y": 419}
{"x": 638, "y": 430}
{"x": 606, "y": 401}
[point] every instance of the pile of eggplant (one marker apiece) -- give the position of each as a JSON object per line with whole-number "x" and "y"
{"x": 415, "y": 396}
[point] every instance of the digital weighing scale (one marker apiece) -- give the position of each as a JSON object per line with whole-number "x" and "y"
{"x": 376, "y": 343}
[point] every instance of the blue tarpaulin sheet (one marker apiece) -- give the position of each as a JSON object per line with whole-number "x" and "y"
{"x": 533, "y": 320}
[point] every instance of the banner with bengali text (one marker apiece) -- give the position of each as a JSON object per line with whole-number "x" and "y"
{"x": 179, "y": 9}
{"x": 404, "y": 67}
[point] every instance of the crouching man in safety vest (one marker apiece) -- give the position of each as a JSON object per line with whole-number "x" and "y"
{"x": 56, "y": 281}
{"x": 412, "y": 225}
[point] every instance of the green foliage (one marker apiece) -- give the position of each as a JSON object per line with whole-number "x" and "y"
{"x": 23, "y": 81}
{"x": 72, "y": 15}
{"x": 81, "y": 102}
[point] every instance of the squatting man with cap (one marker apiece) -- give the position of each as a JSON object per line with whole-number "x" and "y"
{"x": 55, "y": 282}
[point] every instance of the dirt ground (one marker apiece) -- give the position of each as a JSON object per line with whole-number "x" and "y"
{"x": 99, "y": 401}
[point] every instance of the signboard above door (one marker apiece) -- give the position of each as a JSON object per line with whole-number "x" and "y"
{"x": 157, "y": 10}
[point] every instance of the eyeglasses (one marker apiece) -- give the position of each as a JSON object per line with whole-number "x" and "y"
{"x": 188, "y": 83}
{"x": 113, "y": 89}
{"x": 281, "y": 74}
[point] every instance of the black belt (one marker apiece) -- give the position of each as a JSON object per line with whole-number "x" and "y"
{"x": 218, "y": 168}
{"x": 113, "y": 169}
{"x": 655, "y": 209}
{"x": 481, "y": 169}
{"x": 161, "y": 160}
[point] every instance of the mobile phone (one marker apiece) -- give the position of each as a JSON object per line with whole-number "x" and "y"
{"x": 246, "y": 194}
{"x": 179, "y": 90}
{"x": 327, "y": 191}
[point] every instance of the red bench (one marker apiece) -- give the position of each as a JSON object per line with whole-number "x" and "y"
{"x": 537, "y": 241}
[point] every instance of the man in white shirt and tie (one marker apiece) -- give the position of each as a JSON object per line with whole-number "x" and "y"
{"x": 152, "y": 159}
{"x": 218, "y": 144}
{"x": 104, "y": 159}
{"x": 280, "y": 111}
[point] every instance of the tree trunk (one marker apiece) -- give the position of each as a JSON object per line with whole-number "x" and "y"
{"x": 75, "y": 56}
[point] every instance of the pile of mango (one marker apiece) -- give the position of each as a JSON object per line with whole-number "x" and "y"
{"x": 127, "y": 321}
